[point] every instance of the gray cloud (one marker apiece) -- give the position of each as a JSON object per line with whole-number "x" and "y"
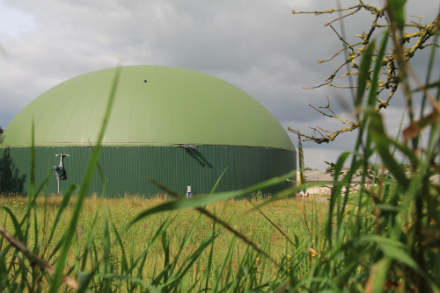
{"x": 258, "y": 46}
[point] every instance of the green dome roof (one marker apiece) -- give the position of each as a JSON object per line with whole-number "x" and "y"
{"x": 154, "y": 105}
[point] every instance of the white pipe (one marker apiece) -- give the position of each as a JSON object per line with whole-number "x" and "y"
{"x": 188, "y": 191}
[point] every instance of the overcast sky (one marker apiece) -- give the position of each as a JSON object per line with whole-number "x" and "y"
{"x": 257, "y": 45}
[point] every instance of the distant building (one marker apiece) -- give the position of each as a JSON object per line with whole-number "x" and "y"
{"x": 326, "y": 178}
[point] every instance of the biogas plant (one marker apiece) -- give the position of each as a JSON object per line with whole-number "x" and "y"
{"x": 178, "y": 126}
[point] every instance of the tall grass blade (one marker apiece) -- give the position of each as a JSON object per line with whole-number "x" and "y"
{"x": 377, "y": 68}
{"x": 377, "y": 129}
{"x": 364, "y": 73}
{"x": 107, "y": 248}
{"x": 83, "y": 189}
{"x": 60, "y": 213}
{"x": 218, "y": 181}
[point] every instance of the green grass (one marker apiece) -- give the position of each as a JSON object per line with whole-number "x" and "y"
{"x": 382, "y": 239}
{"x": 286, "y": 214}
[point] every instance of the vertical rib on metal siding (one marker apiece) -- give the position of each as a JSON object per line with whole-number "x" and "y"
{"x": 125, "y": 169}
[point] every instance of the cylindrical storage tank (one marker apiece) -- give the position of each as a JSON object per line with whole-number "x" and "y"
{"x": 178, "y": 126}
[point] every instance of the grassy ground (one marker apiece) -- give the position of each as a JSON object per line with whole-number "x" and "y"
{"x": 287, "y": 214}
{"x": 383, "y": 239}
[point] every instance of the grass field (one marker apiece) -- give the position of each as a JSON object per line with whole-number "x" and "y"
{"x": 384, "y": 238}
{"x": 287, "y": 214}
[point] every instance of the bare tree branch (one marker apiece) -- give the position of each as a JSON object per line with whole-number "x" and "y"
{"x": 392, "y": 63}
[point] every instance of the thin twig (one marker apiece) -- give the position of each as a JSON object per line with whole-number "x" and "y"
{"x": 273, "y": 224}
{"x": 35, "y": 259}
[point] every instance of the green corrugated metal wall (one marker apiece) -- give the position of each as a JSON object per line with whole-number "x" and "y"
{"x": 125, "y": 169}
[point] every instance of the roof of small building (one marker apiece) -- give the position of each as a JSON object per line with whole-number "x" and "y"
{"x": 317, "y": 175}
{"x": 324, "y": 175}
{"x": 153, "y": 105}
